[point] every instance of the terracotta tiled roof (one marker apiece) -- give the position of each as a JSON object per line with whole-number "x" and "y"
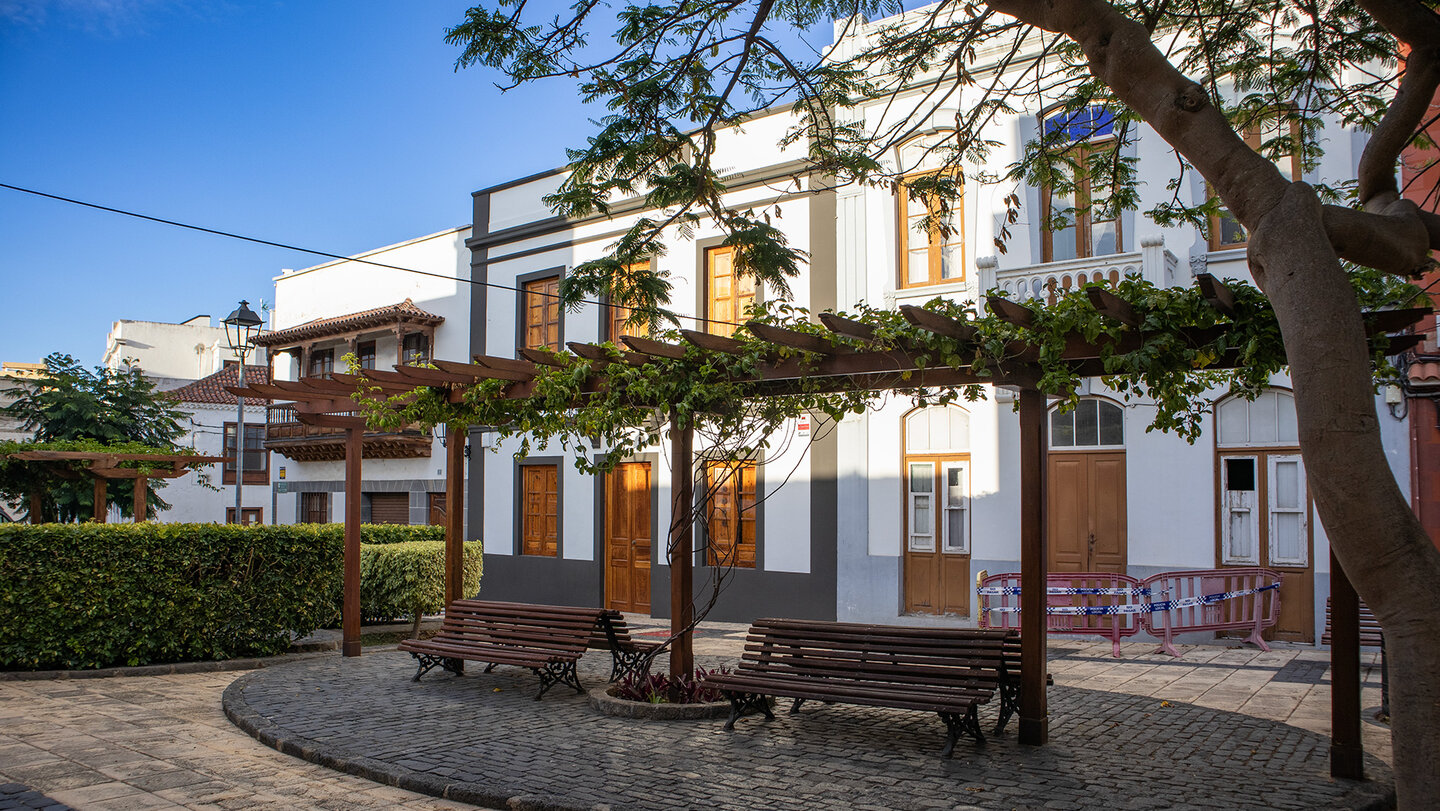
{"x": 1425, "y": 374}
{"x": 404, "y": 312}
{"x": 211, "y": 389}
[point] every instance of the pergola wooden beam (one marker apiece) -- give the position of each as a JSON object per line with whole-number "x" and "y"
{"x": 1215, "y": 293}
{"x": 847, "y": 327}
{"x": 543, "y": 357}
{"x": 937, "y": 323}
{"x": 478, "y": 373}
{"x": 595, "y": 352}
{"x": 1112, "y": 306}
{"x": 1009, "y": 311}
{"x": 654, "y": 348}
{"x": 794, "y": 339}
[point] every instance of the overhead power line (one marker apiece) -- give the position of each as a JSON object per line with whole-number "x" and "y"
{"x": 312, "y": 251}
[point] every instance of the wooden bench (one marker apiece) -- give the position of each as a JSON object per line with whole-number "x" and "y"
{"x": 948, "y": 671}
{"x": 628, "y": 655}
{"x": 547, "y": 639}
{"x": 1371, "y": 636}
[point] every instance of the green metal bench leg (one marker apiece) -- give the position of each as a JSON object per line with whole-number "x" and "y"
{"x": 557, "y": 673}
{"x": 955, "y": 724}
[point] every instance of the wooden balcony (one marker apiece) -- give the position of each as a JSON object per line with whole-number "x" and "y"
{"x": 287, "y": 436}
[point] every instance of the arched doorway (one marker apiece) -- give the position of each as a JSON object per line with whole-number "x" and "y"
{"x": 1086, "y": 470}
{"x": 1263, "y": 504}
{"x": 936, "y": 489}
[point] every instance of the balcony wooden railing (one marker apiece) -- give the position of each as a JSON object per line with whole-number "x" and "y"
{"x": 286, "y": 435}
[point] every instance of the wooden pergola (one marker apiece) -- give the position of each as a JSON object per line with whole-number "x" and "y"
{"x": 846, "y": 357}
{"x": 106, "y": 466}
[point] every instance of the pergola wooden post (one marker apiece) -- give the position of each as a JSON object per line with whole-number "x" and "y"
{"x": 37, "y": 504}
{"x": 849, "y": 357}
{"x": 456, "y": 437}
{"x": 142, "y": 497}
{"x": 100, "y": 498}
{"x": 682, "y": 546}
{"x": 1347, "y": 753}
{"x": 350, "y": 610}
{"x": 1034, "y": 492}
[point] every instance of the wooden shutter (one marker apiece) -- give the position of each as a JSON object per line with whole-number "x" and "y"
{"x": 540, "y": 503}
{"x": 731, "y": 514}
{"x": 314, "y": 508}
{"x": 542, "y": 313}
{"x": 617, "y": 317}
{"x": 390, "y": 508}
{"x": 728, "y": 296}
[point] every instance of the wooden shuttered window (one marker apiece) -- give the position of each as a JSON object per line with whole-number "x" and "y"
{"x": 390, "y": 508}
{"x": 616, "y": 316}
{"x": 540, "y": 505}
{"x": 314, "y": 508}
{"x": 728, "y": 296}
{"x": 931, "y": 256}
{"x": 730, "y": 514}
{"x": 541, "y": 312}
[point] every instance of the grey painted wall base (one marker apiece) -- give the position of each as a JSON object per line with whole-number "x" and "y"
{"x": 532, "y": 579}
{"x": 749, "y": 595}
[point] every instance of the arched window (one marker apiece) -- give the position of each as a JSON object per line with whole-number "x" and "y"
{"x": 932, "y": 238}
{"x": 1093, "y": 423}
{"x": 1269, "y": 419}
{"x": 937, "y": 510}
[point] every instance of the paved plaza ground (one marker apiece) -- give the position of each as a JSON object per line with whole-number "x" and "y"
{"x": 1226, "y": 726}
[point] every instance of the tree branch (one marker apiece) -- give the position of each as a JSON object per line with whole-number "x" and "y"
{"x": 1418, "y": 27}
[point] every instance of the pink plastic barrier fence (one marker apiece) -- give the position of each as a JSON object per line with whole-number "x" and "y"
{"x": 1212, "y": 600}
{"x": 1098, "y": 603}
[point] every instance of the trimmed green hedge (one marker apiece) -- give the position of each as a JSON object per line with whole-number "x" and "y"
{"x": 391, "y": 533}
{"x": 408, "y": 579}
{"x": 78, "y": 596}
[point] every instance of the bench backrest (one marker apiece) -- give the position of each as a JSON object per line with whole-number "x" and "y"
{"x": 561, "y": 628}
{"x": 1371, "y": 635}
{"x": 942, "y": 657}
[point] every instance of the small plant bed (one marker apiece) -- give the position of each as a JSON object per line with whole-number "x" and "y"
{"x": 661, "y": 697}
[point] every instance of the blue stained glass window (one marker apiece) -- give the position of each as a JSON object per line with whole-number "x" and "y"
{"x": 1081, "y": 125}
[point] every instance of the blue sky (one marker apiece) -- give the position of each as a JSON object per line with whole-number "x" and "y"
{"x": 339, "y": 126}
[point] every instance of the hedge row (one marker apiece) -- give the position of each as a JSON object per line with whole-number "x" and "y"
{"x": 96, "y": 595}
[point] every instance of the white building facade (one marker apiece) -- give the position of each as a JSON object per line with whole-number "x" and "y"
{"x": 891, "y": 516}
{"x": 371, "y": 306}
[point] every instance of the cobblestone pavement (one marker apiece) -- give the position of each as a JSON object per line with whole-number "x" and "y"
{"x": 162, "y": 741}
{"x": 15, "y": 797}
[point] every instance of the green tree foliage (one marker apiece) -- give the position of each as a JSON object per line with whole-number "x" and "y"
{"x": 117, "y": 410}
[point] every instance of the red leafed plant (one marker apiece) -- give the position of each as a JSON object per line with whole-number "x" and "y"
{"x": 663, "y": 688}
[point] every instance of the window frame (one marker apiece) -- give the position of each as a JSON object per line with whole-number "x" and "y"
{"x": 424, "y": 350}
{"x": 744, "y": 514}
{"x": 614, "y": 315}
{"x": 936, "y": 243}
{"x": 365, "y": 354}
{"x": 1054, "y": 411}
{"x": 303, "y": 511}
{"x": 522, "y": 305}
{"x": 257, "y": 513}
{"x": 258, "y": 475}
{"x": 721, "y": 324}
{"x": 1080, "y": 152}
{"x": 326, "y": 362}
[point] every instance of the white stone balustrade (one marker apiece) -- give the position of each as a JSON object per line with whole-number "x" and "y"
{"x": 1152, "y": 263}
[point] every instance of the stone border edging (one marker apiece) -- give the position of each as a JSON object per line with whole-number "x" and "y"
{"x": 170, "y": 669}
{"x": 601, "y": 700}
{"x": 267, "y": 732}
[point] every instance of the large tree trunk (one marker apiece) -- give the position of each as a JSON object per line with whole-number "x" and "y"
{"x": 1372, "y": 531}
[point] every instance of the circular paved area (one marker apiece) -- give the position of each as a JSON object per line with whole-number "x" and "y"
{"x": 482, "y": 739}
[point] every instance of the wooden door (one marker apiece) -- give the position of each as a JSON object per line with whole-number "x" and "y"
{"x": 1265, "y": 521}
{"x": 937, "y": 544}
{"x": 540, "y": 500}
{"x": 1087, "y": 522}
{"x": 437, "y": 510}
{"x": 627, "y": 537}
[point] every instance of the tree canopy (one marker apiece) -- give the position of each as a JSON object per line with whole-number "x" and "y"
{"x": 74, "y": 409}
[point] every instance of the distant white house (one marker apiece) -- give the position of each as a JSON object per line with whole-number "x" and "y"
{"x": 168, "y": 353}
{"x": 211, "y": 432}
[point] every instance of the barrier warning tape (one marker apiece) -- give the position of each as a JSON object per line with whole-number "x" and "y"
{"x": 1128, "y": 608}
{"x": 994, "y": 591}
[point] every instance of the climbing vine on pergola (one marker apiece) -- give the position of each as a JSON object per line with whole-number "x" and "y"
{"x": 1171, "y": 345}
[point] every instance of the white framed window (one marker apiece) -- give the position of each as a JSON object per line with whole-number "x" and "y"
{"x": 1092, "y": 424}
{"x": 937, "y": 429}
{"x": 1269, "y": 419}
{"x": 955, "y": 519}
{"x": 1289, "y": 540}
{"x": 921, "y": 498}
{"x": 1239, "y": 502}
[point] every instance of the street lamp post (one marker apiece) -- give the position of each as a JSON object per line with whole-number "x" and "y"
{"x": 241, "y": 326}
